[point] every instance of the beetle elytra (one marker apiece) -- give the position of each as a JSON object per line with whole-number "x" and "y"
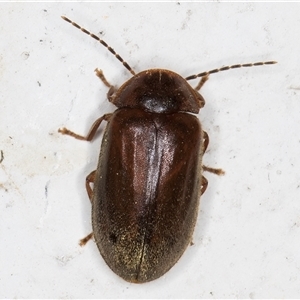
{"x": 148, "y": 181}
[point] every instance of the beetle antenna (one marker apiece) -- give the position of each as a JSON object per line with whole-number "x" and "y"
{"x": 230, "y": 67}
{"x": 125, "y": 64}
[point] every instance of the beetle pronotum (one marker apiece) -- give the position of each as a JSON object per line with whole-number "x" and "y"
{"x": 149, "y": 177}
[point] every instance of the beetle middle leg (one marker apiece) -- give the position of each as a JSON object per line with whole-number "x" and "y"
{"x": 205, "y": 141}
{"x": 91, "y": 133}
{"x": 205, "y": 145}
{"x": 213, "y": 170}
{"x": 204, "y": 182}
{"x": 90, "y": 179}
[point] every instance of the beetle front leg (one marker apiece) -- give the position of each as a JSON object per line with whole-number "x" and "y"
{"x": 91, "y": 133}
{"x": 112, "y": 89}
{"x": 201, "y": 83}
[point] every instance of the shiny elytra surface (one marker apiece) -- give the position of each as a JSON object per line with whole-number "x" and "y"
{"x": 146, "y": 191}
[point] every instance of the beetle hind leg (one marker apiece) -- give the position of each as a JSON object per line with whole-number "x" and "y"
{"x": 83, "y": 241}
{"x": 89, "y": 179}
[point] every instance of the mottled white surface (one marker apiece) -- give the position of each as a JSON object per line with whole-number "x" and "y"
{"x": 246, "y": 241}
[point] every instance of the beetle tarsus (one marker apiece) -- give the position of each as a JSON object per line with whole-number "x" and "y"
{"x": 99, "y": 73}
{"x": 71, "y": 133}
{"x": 213, "y": 170}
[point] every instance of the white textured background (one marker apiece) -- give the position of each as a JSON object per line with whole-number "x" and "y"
{"x": 247, "y": 238}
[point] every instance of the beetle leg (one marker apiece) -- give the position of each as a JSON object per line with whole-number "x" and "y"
{"x": 208, "y": 169}
{"x": 83, "y": 241}
{"x": 90, "y": 179}
{"x": 213, "y": 170}
{"x": 99, "y": 73}
{"x": 201, "y": 83}
{"x": 91, "y": 133}
{"x": 204, "y": 184}
{"x": 205, "y": 141}
{"x": 112, "y": 89}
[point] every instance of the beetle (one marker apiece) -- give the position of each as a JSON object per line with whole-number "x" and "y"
{"x": 148, "y": 181}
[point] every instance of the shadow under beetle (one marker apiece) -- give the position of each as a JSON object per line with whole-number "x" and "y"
{"x": 149, "y": 179}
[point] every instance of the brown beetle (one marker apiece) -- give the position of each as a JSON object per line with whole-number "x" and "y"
{"x": 149, "y": 177}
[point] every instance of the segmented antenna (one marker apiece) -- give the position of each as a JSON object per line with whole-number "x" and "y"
{"x": 125, "y": 64}
{"x": 230, "y": 67}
